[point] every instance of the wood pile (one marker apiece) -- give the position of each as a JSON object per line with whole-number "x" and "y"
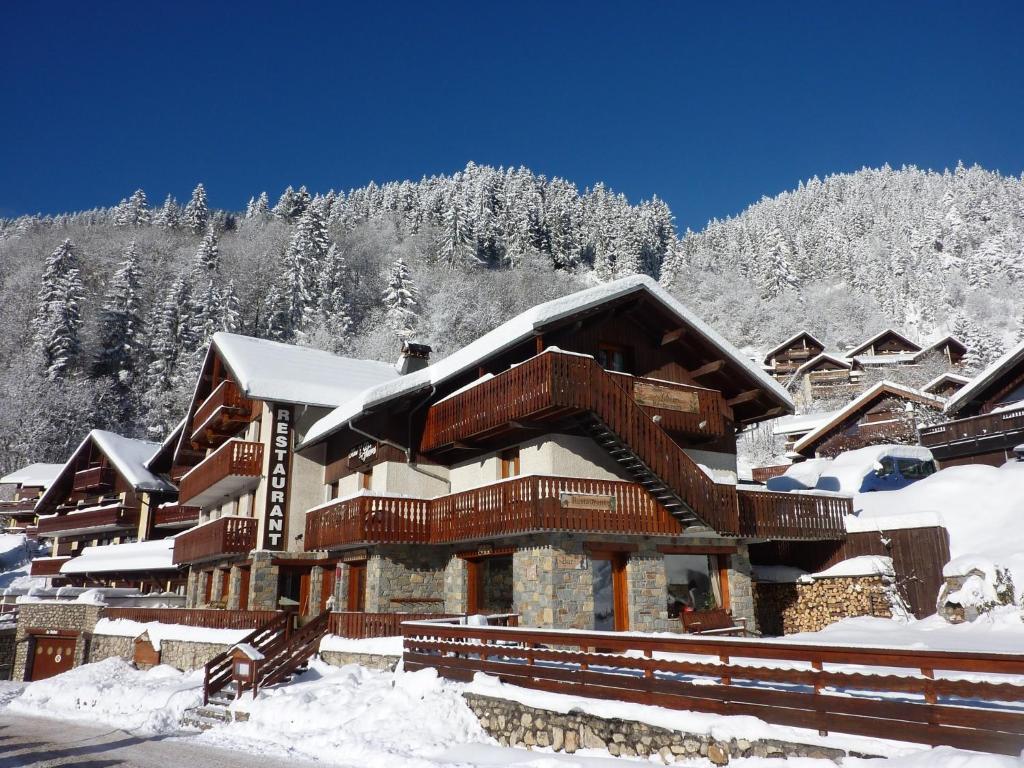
{"x": 784, "y": 609}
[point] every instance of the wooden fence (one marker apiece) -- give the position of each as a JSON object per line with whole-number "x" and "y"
{"x": 918, "y": 556}
{"x": 893, "y": 692}
{"x": 195, "y": 617}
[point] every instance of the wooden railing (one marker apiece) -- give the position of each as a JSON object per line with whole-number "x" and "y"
{"x": 225, "y": 407}
{"x": 764, "y": 474}
{"x": 175, "y": 515}
{"x": 289, "y": 652}
{"x": 47, "y": 566}
{"x": 356, "y": 624}
{"x": 223, "y": 536}
{"x": 238, "y": 458}
{"x": 555, "y": 382}
{"x": 774, "y": 515}
{"x": 521, "y": 505}
{"x": 973, "y": 428}
{"x": 194, "y": 617}
{"x": 710, "y": 417}
{"x": 112, "y": 517}
{"x": 217, "y": 672}
{"x": 18, "y": 506}
{"x": 93, "y": 478}
{"x": 894, "y": 692}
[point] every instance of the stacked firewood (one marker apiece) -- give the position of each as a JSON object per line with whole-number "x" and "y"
{"x": 808, "y": 607}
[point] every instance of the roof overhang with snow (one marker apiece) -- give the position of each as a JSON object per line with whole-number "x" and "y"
{"x": 790, "y": 342}
{"x": 140, "y": 556}
{"x": 33, "y": 476}
{"x": 811, "y": 364}
{"x": 890, "y": 333}
{"x": 879, "y": 391}
{"x": 536, "y": 321}
{"x": 988, "y": 383}
{"x": 945, "y": 378}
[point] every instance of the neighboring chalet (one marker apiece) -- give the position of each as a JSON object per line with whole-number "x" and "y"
{"x": 886, "y": 347}
{"x": 104, "y": 496}
{"x": 946, "y": 385}
{"x": 783, "y": 361}
{"x": 949, "y": 348}
{"x": 25, "y": 486}
{"x": 885, "y": 413}
{"x": 794, "y": 428}
{"x": 829, "y": 376}
{"x": 576, "y": 465}
{"x": 988, "y": 417}
{"x": 235, "y": 458}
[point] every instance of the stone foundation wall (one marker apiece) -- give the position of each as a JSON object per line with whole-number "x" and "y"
{"x": 515, "y": 724}
{"x": 647, "y": 586}
{"x": 784, "y": 609}
{"x": 7, "y": 647}
{"x": 108, "y": 646}
{"x": 368, "y": 660}
{"x": 77, "y": 618}
{"x": 405, "y": 573}
{"x": 186, "y": 656}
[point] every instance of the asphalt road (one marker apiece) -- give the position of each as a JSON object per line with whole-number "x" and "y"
{"x": 32, "y": 742}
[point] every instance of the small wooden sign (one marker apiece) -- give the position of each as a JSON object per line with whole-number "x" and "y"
{"x": 588, "y": 501}
{"x": 354, "y": 556}
{"x": 653, "y": 396}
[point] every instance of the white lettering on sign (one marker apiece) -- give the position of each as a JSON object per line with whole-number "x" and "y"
{"x": 276, "y": 515}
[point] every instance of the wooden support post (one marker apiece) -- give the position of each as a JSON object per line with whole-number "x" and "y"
{"x": 726, "y": 678}
{"x": 648, "y": 654}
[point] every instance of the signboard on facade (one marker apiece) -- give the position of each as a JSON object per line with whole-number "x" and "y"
{"x": 278, "y": 477}
{"x": 362, "y": 454}
{"x": 587, "y": 501}
{"x": 354, "y": 556}
{"x": 668, "y": 398}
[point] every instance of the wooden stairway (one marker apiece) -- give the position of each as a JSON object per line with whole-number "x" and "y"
{"x": 289, "y": 654}
{"x": 217, "y": 671}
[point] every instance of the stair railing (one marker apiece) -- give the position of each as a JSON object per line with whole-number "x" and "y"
{"x": 217, "y": 671}
{"x": 287, "y": 654}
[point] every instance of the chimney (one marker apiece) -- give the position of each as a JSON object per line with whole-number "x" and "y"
{"x": 415, "y": 357}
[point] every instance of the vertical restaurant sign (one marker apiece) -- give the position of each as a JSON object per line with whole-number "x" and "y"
{"x": 278, "y": 477}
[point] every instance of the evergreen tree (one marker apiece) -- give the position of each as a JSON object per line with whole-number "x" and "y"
{"x": 58, "y": 319}
{"x": 120, "y": 325}
{"x": 400, "y": 300}
{"x": 333, "y": 308}
{"x": 207, "y": 259}
{"x": 454, "y": 242}
{"x": 169, "y": 215}
{"x": 292, "y": 204}
{"x": 197, "y": 213}
{"x": 133, "y": 212}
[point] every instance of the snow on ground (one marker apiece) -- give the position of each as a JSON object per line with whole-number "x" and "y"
{"x": 159, "y": 632}
{"x": 116, "y": 694}
{"x": 385, "y": 646}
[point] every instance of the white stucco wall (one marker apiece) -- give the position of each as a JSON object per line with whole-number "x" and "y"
{"x": 722, "y": 465}
{"x": 423, "y": 481}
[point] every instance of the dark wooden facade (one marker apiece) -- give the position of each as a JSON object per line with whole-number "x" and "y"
{"x": 888, "y": 342}
{"x": 786, "y": 358}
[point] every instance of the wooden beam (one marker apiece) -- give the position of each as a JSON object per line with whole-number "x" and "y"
{"x": 705, "y": 370}
{"x": 671, "y": 336}
{"x": 540, "y": 343}
{"x": 743, "y": 397}
{"x": 772, "y": 413}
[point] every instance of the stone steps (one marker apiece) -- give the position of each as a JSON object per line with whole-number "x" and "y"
{"x": 210, "y": 716}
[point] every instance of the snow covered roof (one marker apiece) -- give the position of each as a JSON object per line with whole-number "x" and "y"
{"x": 952, "y": 377}
{"x": 890, "y": 359}
{"x": 127, "y": 455}
{"x": 863, "y": 565}
{"x": 800, "y": 422}
{"x": 167, "y": 445}
{"x": 887, "y": 332}
{"x": 522, "y": 327}
{"x": 979, "y": 383}
{"x": 270, "y": 370}
{"x": 949, "y": 340}
{"x": 795, "y": 337}
{"x": 887, "y": 387}
{"x": 33, "y": 476}
{"x": 138, "y": 556}
{"x": 840, "y": 361}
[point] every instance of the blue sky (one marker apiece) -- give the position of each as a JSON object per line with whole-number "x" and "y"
{"x": 708, "y": 106}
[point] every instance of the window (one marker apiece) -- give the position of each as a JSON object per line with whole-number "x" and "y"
{"x": 914, "y": 469}
{"x": 612, "y": 357}
{"x": 694, "y": 583}
{"x": 509, "y": 461}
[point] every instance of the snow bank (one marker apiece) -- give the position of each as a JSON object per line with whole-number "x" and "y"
{"x": 355, "y": 715}
{"x": 156, "y": 555}
{"x": 865, "y": 565}
{"x": 802, "y": 476}
{"x": 114, "y": 693}
{"x": 847, "y": 471}
{"x": 383, "y": 646}
{"x": 159, "y": 632}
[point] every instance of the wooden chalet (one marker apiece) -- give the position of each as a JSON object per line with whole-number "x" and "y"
{"x": 885, "y": 348}
{"x": 885, "y": 413}
{"x": 828, "y": 375}
{"x": 987, "y": 417}
{"x": 24, "y": 487}
{"x": 946, "y": 385}
{"x": 949, "y": 348}
{"x": 783, "y": 360}
{"x": 105, "y": 496}
{"x": 235, "y": 461}
{"x": 577, "y": 466}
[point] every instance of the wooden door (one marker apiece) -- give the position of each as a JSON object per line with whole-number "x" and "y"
{"x": 619, "y": 589}
{"x": 51, "y": 656}
{"x": 357, "y": 586}
{"x": 327, "y": 588}
{"x": 243, "y": 589}
{"x": 472, "y": 586}
{"x": 611, "y": 606}
{"x": 304, "y": 578}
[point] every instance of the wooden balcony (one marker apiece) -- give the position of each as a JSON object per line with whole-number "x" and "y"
{"x": 223, "y": 536}
{"x": 977, "y": 434}
{"x": 221, "y": 415}
{"x": 19, "y": 507}
{"x": 555, "y": 504}
{"x": 793, "y": 516}
{"x": 680, "y": 408}
{"x": 94, "y": 479}
{"x": 90, "y": 521}
{"x": 175, "y": 516}
{"x": 232, "y": 469}
{"x": 47, "y": 566}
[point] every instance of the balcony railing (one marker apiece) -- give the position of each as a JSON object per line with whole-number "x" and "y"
{"x": 223, "y": 536}
{"x": 795, "y": 516}
{"x": 220, "y": 414}
{"x": 231, "y": 469}
{"x": 47, "y": 566}
{"x": 549, "y": 504}
{"x": 976, "y": 429}
{"x": 175, "y": 516}
{"x": 20, "y": 506}
{"x": 94, "y": 478}
{"x": 108, "y": 519}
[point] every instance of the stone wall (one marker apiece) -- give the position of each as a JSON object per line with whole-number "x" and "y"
{"x": 553, "y": 584}
{"x": 647, "y": 586}
{"x": 186, "y": 655}
{"x": 108, "y": 646}
{"x": 515, "y": 724}
{"x": 741, "y": 588}
{"x": 79, "y": 618}
{"x": 784, "y": 609}
{"x": 405, "y": 572}
{"x": 368, "y": 660}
